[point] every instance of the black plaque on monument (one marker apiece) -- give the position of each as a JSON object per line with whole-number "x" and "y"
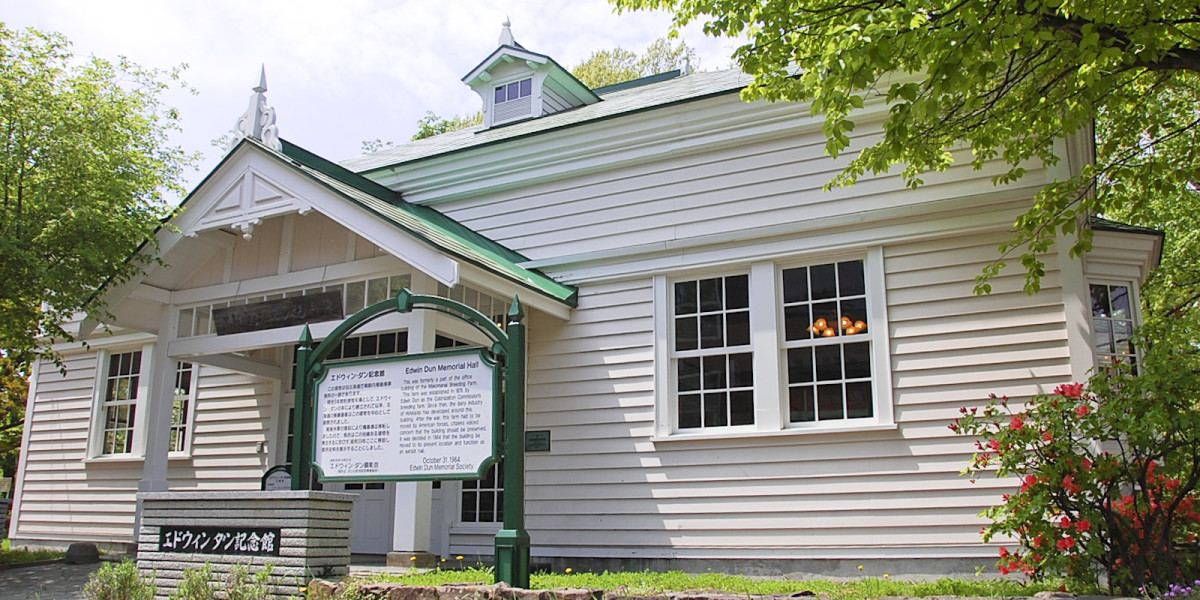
{"x": 285, "y": 312}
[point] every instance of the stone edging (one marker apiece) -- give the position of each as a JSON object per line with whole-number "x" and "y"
{"x": 33, "y": 563}
{"x": 319, "y": 589}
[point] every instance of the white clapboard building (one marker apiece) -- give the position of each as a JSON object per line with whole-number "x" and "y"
{"x": 737, "y": 369}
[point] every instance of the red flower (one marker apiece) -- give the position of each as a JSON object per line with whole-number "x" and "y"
{"x": 1070, "y": 485}
{"x": 994, "y": 444}
{"x": 1049, "y": 437}
{"x": 1066, "y": 543}
{"x": 1070, "y": 390}
{"x": 1003, "y": 552}
{"x": 1018, "y": 422}
{"x": 1065, "y": 523}
{"x": 1083, "y": 525}
{"x": 1082, "y": 411}
{"x": 1087, "y": 464}
{"x": 1030, "y": 481}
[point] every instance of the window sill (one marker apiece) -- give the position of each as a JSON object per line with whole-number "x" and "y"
{"x": 124, "y": 459}
{"x": 742, "y": 434}
{"x": 469, "y": 528}
{"x": 114, "y": 459}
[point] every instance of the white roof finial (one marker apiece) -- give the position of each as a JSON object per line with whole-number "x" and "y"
{"x": 262, "y": 81}
{"x": 258, "y": 122}
{"x": 506, "y": 36}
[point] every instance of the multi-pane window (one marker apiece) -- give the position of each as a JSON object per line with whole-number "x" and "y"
{"x": 1112, "y": 324}
{"x": 783, "y": 347}
{"x": 714, "y": 364}
{"x": 185, "y": 380}
{"x": 361, "y": 346}
{"x": 827, "y": 350}
{"x": 514, "y": 91}
{"x": 119, "y": 404}
{"x": 483, "y": 499}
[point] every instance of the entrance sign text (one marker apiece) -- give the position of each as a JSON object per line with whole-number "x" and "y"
{"x": 253, "y": 541}
{"x": 406, "y": 418}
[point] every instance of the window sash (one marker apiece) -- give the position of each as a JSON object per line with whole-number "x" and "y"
{"x": 712, "y": 353}
{"x": 182, "y": 407}
{"x": 827, "y": 367}
{"x": 1114, "y": 316}
{"x": 118, "y": 406}
{"x": 482, "y": 500}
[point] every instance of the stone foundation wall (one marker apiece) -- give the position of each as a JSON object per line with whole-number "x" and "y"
{"x": 300, "y": 534}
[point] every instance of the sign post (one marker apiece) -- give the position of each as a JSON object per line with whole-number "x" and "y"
{"x": 419, "y": 417}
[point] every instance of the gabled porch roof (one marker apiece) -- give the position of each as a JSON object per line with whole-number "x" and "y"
{"x": 419, "y": 235}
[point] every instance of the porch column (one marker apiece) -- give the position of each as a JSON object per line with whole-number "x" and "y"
{"x": 157, "y": 421}
{"x": 413, "y": 501}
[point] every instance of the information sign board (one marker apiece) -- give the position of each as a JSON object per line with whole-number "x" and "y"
{"x": 419, "y": 417}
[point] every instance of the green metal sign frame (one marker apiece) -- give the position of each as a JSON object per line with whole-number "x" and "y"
{"x": 508, "y": 350}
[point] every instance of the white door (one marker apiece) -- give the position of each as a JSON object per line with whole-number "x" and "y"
{"x": 439, "y": 524}
{"x": 371, "y": 522}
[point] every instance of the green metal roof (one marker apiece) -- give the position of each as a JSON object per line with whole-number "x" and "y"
{"x": 423, "y": 223}
{"x": 614, "y": 103}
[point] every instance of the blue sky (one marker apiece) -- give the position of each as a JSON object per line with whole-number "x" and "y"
{"x": 338, "y": 72}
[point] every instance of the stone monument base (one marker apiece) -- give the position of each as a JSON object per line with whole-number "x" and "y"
{"x": 299, "y": 534}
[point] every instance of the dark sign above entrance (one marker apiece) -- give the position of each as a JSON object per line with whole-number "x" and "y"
{"x": 285, "y": 312}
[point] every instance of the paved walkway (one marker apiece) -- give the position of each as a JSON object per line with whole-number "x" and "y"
{"x": 60, "y": 581}
{"x": 57, "y": 581}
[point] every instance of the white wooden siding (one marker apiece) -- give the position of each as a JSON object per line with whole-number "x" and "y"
{"x": 66, "y": 497}
{"x": 771, "y": 182}
{"x": 608, "y": 488}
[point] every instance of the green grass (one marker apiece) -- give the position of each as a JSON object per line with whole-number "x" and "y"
{"x": 645, "y": 583}
{"x": 10, "y": 556}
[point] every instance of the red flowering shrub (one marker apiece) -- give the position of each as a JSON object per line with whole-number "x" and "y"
{"x": 1108, "y": 477}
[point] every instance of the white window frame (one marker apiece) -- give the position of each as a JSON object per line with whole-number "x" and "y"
{"x": 96, "y": 449}
{"x": 770, "y": 375}
{"x": 1135, "y": 312}
{"x": 497, "y": 487}
{"x": 189, "y": 425}
{"x": 535, "y": 97}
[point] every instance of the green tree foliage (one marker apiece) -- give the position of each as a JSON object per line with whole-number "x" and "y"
{"x": 431, "y": 124}
{"x": 1109, "y": 477}
{"x": 1004, "y": 78}
{"x": 14, "y": 389}
{"x": 85, "y": 160}
{"x": 608, "y": 67}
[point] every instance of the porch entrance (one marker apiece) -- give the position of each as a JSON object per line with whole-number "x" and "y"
{"x": 371, "y": 523}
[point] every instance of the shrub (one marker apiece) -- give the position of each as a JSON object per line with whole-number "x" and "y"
{"x": 119, "y": 582}
{"x": 197, "y": 584}
{"x": 239, "y": 584}
{"x": 1107, "y": 474}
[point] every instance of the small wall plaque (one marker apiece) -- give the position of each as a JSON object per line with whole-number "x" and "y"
{"x": 277, "y": 478}
{"x": 537, "y": 440}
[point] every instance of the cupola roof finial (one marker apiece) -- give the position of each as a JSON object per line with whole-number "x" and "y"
{"x": 506, "y": 36}
{"x": 258, "y": 122}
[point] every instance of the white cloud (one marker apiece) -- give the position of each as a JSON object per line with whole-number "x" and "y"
{"x": 338, "y": 72}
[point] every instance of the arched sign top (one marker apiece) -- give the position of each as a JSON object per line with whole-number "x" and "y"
{"x": 406, "y": 301}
